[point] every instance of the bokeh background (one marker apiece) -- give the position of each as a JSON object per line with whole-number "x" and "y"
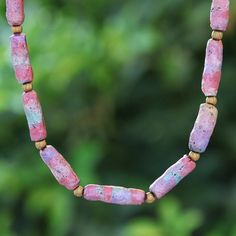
{"x": 119, "y": 83}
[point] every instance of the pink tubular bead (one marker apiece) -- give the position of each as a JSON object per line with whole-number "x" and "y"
{"x": 172, "y": 176}
{"x": 219, "y": 16}
{"x": 203, "y": 128}
{"x": 59, "y": 167}
{"x": 20, "y": 59}
{"x": 15, "y": 12}
{"x": 114, "y": 194}
{"x": 212, "y": 69}
{"x": 34, "y": 116}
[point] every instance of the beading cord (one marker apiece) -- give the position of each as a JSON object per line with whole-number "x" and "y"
{"x": 60, "y": 168}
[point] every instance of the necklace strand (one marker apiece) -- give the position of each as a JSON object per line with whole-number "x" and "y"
{"x": 61, "y": 169}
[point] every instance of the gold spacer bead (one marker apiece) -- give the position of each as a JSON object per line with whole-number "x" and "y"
{"x": 211, "y": 100}
{"x": 150, "y": 198}
{"x": 194, "y": 156}
{"x": 41, "y": 144}
{"x": 17, "y": 29}
{"x": 78, "y": 192}
{"x": 217, "y": 35}
{"x": 27, "y": 87}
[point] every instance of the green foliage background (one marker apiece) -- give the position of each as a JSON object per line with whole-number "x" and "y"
{"x": 119, "y": 83}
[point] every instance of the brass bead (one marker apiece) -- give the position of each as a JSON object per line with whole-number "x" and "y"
{"x": 41, "y": 144}
{"x": 78, "y": 192}
{"x": 150, "y": 198}
{"x": 217, "y": 35}
{"x": 211, "y": 100}
{"x": 17, "y": 29}
{"x": 194, "y": 156}
{"x": 27, "y": 87}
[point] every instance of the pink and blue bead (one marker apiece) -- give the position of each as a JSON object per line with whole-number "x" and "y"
{"x": 60, "y": 168}
{"x": 212, "y": 68}
{"x": 172, "y": 177}
{"x": 203, "y": 128}
{"x": 34, "y": 115}
{"x": 219, "y": 16}
{"x": 20, "y": 59}
{"x": 114, "y": 194}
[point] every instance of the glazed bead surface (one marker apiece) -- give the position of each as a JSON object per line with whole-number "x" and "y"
{"x": 219, "y": 17}
{"x": 34, "y": 116}
{"x": 59, "y": 167}
{"x": 15, "y": 12}
{"x": 20, "y": 58}
{"x": 172, "y": 176}
{"x": 212, "y": 68}
{"x": 114, "y": 194}
{"x": 203, "y": 128}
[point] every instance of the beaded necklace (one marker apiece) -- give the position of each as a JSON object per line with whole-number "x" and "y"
{"x": 61, "y": 169}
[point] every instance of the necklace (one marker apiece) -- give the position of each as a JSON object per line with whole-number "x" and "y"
{"x": 61, "y": 169}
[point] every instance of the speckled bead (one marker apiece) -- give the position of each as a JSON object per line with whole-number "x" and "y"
{"x": 219, "y": 17}
{"x": 212, "y": 68}
{"x": 114, "y": 194}
{"x": 34, "y": 116}
{"x": 20, "y": 58}
{"x": 203, "y": 128}
{"x": 172, "y": 177}
{"x": 15, "y": 12}
{"x": 59, "y": 167}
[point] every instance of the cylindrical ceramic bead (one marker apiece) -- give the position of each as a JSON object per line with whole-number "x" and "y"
{"x": 114, "y": 194}
{"x": 59, "y": 167}
{"x": 172, "y": 176}
{"x": 219, "y": 17}
{"x": 34, "y": 115}
{"x": 212, "y": 69}
{"x": 203, "y": 128}
{"x": 20, "y": 58}
{"x": 15, "y": 12}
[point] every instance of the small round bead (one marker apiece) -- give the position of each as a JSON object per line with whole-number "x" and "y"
{"x": 78, "y": 192}
{"x": 150, "y": 198}
{"x": 217, "y": 35}
{"x": 211, "y": 100}
{"x": 194, "y": 156}
{"x": 27, "y": 87}
{"x": 17, "y": 29}
{"x": 41, "y": 144}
